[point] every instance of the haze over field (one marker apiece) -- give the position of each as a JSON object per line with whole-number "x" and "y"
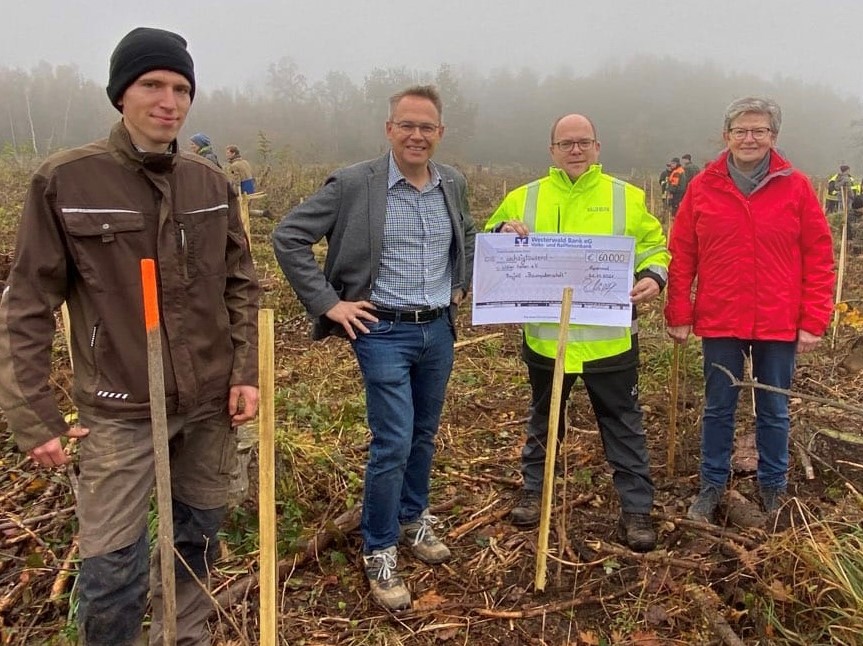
{"x": 697, "y": 55}
{"x": 233, "y": 42}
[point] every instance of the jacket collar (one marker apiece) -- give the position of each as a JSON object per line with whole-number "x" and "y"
{"x": 586, "y": 180}
{"x": 778, "y": 165}
{"x": 130, "y": 156}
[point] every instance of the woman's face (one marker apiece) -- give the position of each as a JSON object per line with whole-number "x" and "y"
{"x": 756, "y": 142}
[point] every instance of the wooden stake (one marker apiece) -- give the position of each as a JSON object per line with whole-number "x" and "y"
{"x": 267, "y": 477}
{"x": 840, "y": 277}
{"x": 672, "y": 415}
{"x": 159, "y": 421}
{"x": 244, "y": 215}
{"x": 551, "y": 440}
{"x": 67, "y": 330}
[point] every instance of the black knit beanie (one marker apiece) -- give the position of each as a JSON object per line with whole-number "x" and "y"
{"x": 145, "y": 49}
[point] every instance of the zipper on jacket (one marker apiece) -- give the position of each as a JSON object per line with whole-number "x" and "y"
{"x": 183, "y": 250}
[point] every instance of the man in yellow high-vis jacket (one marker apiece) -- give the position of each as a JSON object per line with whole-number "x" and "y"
{"x": 577, "y": 197}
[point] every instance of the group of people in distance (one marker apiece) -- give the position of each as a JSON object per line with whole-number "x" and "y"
{"x": 674, "y": 179}
{"x": 749, "y": 230}
{"x": 238, "y": 169}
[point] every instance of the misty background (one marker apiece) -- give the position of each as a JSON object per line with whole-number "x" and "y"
{"x": 308, "y": 82}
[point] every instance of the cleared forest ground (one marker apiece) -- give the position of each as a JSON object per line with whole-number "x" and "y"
{"x": 703, "y": 585}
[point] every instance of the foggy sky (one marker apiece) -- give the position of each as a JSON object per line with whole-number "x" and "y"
{"x": 233, "y": 41}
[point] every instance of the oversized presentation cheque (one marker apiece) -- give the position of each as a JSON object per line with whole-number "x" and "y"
{"x": 521, "y": 279}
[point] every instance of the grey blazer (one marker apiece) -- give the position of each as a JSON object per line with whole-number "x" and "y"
{"x": 349, "y": 211}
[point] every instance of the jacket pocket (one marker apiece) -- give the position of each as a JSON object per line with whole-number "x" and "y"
{"x": 106, "y": 245}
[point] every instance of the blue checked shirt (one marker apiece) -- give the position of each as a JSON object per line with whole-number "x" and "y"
{"x": 416, "y": 269}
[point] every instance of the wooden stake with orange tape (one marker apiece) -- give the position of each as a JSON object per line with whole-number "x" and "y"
{"x": 159, "y": 421}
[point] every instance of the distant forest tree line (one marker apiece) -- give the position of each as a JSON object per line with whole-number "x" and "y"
{"x": 646, "y": 111}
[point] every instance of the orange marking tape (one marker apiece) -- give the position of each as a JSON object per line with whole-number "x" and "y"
{"x": 151, "y": 294}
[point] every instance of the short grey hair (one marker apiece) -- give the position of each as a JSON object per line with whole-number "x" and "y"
{"x": 420, "y": 91}
{"x": 756, "y": 105}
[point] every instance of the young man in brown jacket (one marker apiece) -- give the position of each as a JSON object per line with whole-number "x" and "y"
{"x": 90, "y": 216}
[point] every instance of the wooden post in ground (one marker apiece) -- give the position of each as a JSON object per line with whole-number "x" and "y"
{"x": 840, "y": 276}
{"x": 159, "y": 422}
{"x": 245, "y": 199}
{"x": 551, "y": 441}
{"x": 267, "y": 477}
{"x": 672, "y": 416}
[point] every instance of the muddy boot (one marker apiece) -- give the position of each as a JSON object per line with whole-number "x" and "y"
{"x": 636, "y": 531}
{"x": 526, "y": 512}
{"x": 705, "y": 504}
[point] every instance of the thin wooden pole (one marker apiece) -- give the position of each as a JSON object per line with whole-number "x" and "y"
{"x": 267, "y": 477}
{"x": 672, "y": 416}
{"x": 159, "y": 421}
{"x": 551, "y": 440}
{"x": 840, "y": 277}
{"x": 244, "y": 214}
{"x": 67, "y": 330}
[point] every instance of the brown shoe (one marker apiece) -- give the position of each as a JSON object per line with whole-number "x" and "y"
{"x": 526, "y": 512}
{"x": 420, "y": 537}
{"x": 387, "y": 587}
{"x": 636, "y": 530}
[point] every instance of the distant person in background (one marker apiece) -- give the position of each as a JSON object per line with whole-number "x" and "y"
{"x": 676, "y": 184}
{"x": 842, "y": 183}
{"x": 663, "y": 185}
{"x": 240, "y": 171}
{"x": 751, "y": 235}
{"x": 200, "y": 144}
{"x": 690, "y": 170}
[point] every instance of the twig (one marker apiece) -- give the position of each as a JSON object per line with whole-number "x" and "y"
{"x": 556, "y": 607}
{"x": 791, "y": 393}
{"x": 479, "y": 339}
{"x": 24, "y": 522}
{"x": 648, "y": 557}
{"x": 808, "y": 470}
{"x": 469, "y": 526}
{"x": 66, "y": 569}
{"x": 713, "y": 530}
{"x": 708, "y": 602}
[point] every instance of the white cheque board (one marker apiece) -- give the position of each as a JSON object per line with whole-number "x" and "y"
{"x": 521, "y": 279}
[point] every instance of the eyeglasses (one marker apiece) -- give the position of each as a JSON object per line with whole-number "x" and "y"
{"x": 408, "y": 127}
{"x": 567, "y": 145}
{"x": 758, "y": 134}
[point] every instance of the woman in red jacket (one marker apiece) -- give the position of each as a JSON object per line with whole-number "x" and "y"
{"x": 751, "y": 231}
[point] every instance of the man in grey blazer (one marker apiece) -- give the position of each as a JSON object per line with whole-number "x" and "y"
{"x": 399, "y": 261}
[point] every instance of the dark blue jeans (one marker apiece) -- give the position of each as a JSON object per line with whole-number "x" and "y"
{"x": 772, "y": 365}
{"x": 406, "y": 367}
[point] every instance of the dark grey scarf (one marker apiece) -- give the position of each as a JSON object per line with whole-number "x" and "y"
{"x": 748, "y": 182}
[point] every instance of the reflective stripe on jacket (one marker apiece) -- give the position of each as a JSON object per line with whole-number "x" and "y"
{"x": 595, "y": 204}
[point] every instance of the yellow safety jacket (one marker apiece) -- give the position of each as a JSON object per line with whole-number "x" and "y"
{"x": 595, "y": 204}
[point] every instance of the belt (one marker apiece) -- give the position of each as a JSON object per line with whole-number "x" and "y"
{"x": 409, "y": 316}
